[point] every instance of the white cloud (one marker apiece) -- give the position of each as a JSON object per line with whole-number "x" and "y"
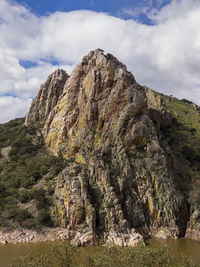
{"x": 177, "y": 9}
{"x": 165, "y": 56}
{"x": 13, "y": 107}
{"x": 146, "y": 7}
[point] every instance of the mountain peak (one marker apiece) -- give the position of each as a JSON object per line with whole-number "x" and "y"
{"x": 98, "y": 90}
{"x": 47, "y": 97}
{"x": 102, "y": 122}
{"x": 97, "y": 59}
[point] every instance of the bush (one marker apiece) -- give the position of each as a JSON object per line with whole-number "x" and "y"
{"x": 59, "y": 255}
{"x": 44, "y": 217}
{"x": 186, "y": 101}
{"x": 39, "y": 196}
{"x": 32, "y": 259}
{"x": 19, "y": 215}
{"x": 22, "y": 146}
{"x": 29, "y": 223}
{"x": 64, "y": 254}
{"x": 190, "y": 154}
{"x": 22, "y": 215}
{"x": 28, "y": 163}
{"x": 133, "y": 257}
{"x": 24, "y": 196}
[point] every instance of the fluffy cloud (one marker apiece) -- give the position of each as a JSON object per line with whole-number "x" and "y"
{"x": 13, "y": 107}
{"x": 146, "y": 8}
{"x": 177, "y": 9}
{"x": 164, "y": 56}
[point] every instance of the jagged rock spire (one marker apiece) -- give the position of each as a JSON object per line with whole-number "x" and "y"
{"x": 47, "y": 97}
{"x": 120, "y": 177}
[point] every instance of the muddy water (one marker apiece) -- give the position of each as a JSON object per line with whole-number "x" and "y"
{"x": 181, "y": 246}
{"x": 10, "y": 251}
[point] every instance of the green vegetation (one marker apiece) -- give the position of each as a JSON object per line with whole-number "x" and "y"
{"x": 184, "y": 138}
{"x": 186, "y": 101}
{"x": 9, "y": 131}
{"x": 28, "y": 162}
{"x": 65, "y": 255}
{"x": 185, "y": 131}
{"x": 59, "y": 255}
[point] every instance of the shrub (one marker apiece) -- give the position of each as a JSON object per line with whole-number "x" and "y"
{"x": 24, "y": 196}
{"x": 22, "y": 215}
{"x": 32, "y": 259}
{"x": 44, "y": 217}
{"x": 59, "y": 255}
{"x": 19, "y": 215}
{"x": 64, "y": 254}
{"x": 186, "y": 101}
{"x": 28, "y": 163}
{"x": 29, "y": 223}
{"x": 190, "y": 154}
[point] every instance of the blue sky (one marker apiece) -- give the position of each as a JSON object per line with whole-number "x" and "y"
{"x": 113, "y": 7}
{"x": 158, "y": 40}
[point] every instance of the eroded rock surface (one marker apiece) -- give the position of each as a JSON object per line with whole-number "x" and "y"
{"x": 47, "y": 97}
{"x": 120, "y": 180}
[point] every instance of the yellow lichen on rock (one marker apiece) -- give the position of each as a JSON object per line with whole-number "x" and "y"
{"x": 80, "y": 159}
{"x": 155, "y": 185}
{"x": 61, "y": 215}
{"x": 103, "y": 127}
{"x": 151, "y": 205}
{"x": 88, "y": 84}
{"x": 91, "y": 162}
{"x": 140, "y": 142}
{"x": 106, "y": 183}
{"x": 97, "y": 140}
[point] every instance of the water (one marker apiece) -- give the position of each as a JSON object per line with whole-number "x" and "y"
{"x": 186, "y": 247}
{"x": 10, "y": 251}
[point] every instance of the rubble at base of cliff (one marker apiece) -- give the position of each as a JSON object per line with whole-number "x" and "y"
{"x": 122, "y": 179}
{"x": 23, "y": 235}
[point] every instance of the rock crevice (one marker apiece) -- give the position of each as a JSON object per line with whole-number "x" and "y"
{"x": 119, "y": 181}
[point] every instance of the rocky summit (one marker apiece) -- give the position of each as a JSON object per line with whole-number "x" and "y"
{"x": 123, "y": 180}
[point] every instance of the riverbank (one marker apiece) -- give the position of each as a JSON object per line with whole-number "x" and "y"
{"x": 178, "y": 248}
{"x": 22, "y": 235}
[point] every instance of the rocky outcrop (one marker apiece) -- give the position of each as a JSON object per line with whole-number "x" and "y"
{"x": 47, "y": 97}
{"x": 193, "y": 233}
{"x": 193, "y": 227}
{"x": 119, "y": 239}
{"x": 157, "y": 109}
{"x": 23, "y": 235}
{"x": 4, "y": 154}
{"x": 120, "y": 179}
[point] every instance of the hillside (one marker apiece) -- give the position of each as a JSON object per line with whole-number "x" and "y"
{"x": 103, "y": 157}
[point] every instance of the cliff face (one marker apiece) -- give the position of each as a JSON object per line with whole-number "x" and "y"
{"x": 121, "y": 176}
{"x": 47, "y": 97}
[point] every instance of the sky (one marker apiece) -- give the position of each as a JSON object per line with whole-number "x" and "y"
{"x": 158, "y": 40}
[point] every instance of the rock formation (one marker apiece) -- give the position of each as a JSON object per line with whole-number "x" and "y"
{"x": 47, "y": 97}
{"x": 120, "y": 180}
